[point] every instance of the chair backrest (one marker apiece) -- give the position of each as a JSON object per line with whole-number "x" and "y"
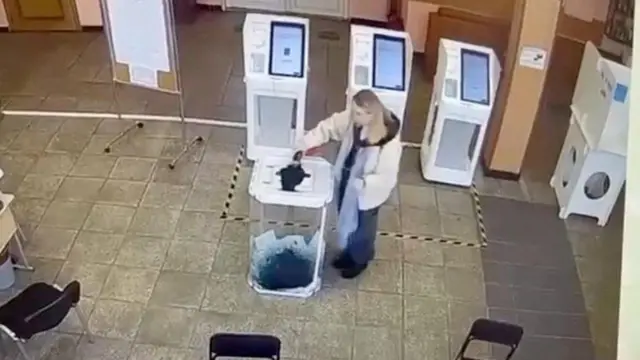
{"x": 50, "y": 314}
{"x": 255, "y": 346}
{"x": 495, "y": 332}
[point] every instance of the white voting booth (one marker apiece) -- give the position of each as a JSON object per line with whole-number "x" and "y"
{"x": 276, "y": 56}
{"x": 463, "y": 94}
{"x": 276, "y": 64}
{"x": 591, "y": 169}
{"x": 381, "y": 60}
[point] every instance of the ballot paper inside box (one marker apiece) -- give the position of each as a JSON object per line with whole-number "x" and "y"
{"x": 288, "y": 227}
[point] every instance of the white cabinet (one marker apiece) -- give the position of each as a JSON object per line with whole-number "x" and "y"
{"x": 334, "y": 8}
{"x": 269, "y": 5}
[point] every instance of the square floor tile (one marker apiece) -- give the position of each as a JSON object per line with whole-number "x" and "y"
{"x": 238, "y": 296}
{"x": 191, "y": 256}
{"x": 420, "y": 222}
{"x": 96, "y": 247}
{"x": 426, "y": 315}
{"x": 420, "y": 197}
{"x": 66, "y": 215}
{"x": 424, "y": 280}
{"x": 422, "y": 252}
{"x": 455, "y": 202}
{"x": 183, "y": 174}
{"x": 39, "y": 186}
{"x": 133, "y": 169}
{"x": 464, "y": 284}
{"x": 68, "y": 143}
{"x": 31, "y": 142}
{"x": 462, "y": 257}
{"x": 79, "y": 126}
{"x": 207, "y": 197}
{"x": 231, "y": 259}
{"x": 162, "y": 195}
{"x": 51, "y": 243}
{"x": 167, "y": 326}
{"x": 388, "y": 248}
{"x": 417, "y": 346}
{"x": 116, "y": 319}
{"x": 103, "y": 349}
{"x": 378, "y": 309}
{"x": 29, "y": 211}
{"x": 235, "y": 232}
{"x": 129, "y": 284}
{"x": 71, "y": 324}
{"x": 155, "y": 222}
{"x": 143, "y": 251}
{"x": 385, "y": 276}
{"x": 80, "y": 189}
{"x": 199, "y": 226}
{"x": 320, "y": 339}
{"x": 179, "y": 290}
{"x": 331, "y": 305}
{"x": 121, "y": 192}
{"x": 389, "y": 219}
{"x": 464, "y": 228}
{"x": 377, "y": 343}
{"x": 97, "y": 166}
{"x": 287, "y": 330}
{"x": 109, "y": 218}
{"x": 54, "y": 164}
{"x": 91, "y": 276}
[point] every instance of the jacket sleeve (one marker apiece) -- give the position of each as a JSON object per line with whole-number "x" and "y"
{"x": 385, "y": 176}
{"x": 332, "y": 128}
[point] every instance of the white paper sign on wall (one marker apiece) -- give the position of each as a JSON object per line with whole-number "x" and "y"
{"x": 533, "y": 57}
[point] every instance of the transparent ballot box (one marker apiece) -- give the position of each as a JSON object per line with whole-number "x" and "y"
{"x": 287, "y": 234}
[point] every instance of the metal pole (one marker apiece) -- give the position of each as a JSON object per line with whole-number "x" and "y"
{"x": 183, "y": 124}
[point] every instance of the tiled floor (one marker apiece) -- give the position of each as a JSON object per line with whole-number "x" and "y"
{"x": 161, "y": 272}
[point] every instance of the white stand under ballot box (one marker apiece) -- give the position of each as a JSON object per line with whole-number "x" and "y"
{"x": 287, "y": 240}
{"x": 591, "y": 169}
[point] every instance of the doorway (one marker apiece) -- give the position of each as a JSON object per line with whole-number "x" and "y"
{"x": 42, "y": 15}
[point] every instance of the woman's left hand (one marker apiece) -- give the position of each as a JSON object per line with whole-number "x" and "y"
{"x": 358, "y": 184}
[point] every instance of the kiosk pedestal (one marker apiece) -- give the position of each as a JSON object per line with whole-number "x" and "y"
{"x": 591, "y": 169}
{"x": 288, "y": 260}
{"x": 276, "y": 63}
{"x": 381, "y": 60}
{"x": 463, "y": 94}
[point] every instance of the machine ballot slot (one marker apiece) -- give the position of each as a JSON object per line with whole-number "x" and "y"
{"x": 286, "y": 55}
{"x": 475, "y": 77}
{"x": 388, "y": 62}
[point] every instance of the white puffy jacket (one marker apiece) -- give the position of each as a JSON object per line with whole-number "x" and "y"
{"x": 383, "y": 162}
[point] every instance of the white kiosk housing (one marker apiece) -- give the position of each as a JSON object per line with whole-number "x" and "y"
{"x": 463, "y": 94}
{"x": 276, "y": 63}
{"x": 381, "y": 60}
{"x": 591, "y": 169}
{"x": 275, "y": 207}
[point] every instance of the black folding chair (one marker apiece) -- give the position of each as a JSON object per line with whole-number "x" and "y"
{"x": 494, "y": 332}
{"x": 254, "y": 346}
{"x": 39, "y": 308}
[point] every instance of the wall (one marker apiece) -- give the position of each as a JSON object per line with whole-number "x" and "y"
{"x": 3, "y": 16}
{"x": 375, "y": 10}
{"x": 89, "y": 12}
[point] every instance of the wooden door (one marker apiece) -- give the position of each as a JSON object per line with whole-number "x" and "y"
{"x": 42, "y": 15}
{"x": 465, "y": 27}
{"x": 333, "y": 8}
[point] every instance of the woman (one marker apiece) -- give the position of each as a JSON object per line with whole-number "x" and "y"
{"x": 366, "y": 171}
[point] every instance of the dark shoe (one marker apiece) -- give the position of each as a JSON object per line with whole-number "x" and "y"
{"x": 343, "y": 261}
{"x": 352, "y": 272}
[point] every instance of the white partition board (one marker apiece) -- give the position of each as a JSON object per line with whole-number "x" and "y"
{"x": 142, "y": 43}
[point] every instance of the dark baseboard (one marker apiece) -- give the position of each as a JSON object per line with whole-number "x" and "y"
{"x": 4, "y": 29}
{"x": 210, "y": 7}
{"x": 94, "y": 28}
{"x": 498, "y": 174}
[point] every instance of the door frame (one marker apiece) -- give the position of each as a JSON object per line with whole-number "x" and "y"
{"x": 69, "y": 8}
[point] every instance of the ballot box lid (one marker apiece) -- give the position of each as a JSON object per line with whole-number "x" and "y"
{"x": 315, "y": 191}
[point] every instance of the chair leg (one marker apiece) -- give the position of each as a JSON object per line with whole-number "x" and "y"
{"x": 23, "y": 351}
{"x": 85, "y": 324}
{"x": 18, "y": 238}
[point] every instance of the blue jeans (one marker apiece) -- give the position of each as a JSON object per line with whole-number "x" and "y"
{"x": 361, "y": 245}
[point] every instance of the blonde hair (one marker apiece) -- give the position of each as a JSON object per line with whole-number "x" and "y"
{"x": 382, "y": 118}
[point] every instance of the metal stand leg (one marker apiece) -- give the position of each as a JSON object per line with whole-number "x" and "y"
{"x": 136, "y": 125}
{"x": 17, "y": 239}
{"x": 85, "y": 324}
{"x": 197, "y": 140}
{"x": 23, "y": 351}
